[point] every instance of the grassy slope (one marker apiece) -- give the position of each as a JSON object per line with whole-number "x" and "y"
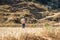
{"x": 5, "y": 9}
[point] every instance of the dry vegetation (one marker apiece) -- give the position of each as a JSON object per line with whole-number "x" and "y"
{"x": 46, "y": 22}
{"x": 29, "y": 33}
{"x": 33, "y": 12}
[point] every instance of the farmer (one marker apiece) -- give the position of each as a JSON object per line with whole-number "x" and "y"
{"x": 23, "y": 21}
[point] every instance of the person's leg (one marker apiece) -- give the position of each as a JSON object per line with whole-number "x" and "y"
{"x": 23, "y": 25}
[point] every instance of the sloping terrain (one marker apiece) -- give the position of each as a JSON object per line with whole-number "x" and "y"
{"x": 33, "y": 12}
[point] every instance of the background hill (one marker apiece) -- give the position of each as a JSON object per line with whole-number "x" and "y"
{"x": 41, "y": 12}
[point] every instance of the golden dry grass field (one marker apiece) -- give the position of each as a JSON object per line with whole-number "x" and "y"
{"x": 41, "y": 23}
{"x": 18, "y": 33}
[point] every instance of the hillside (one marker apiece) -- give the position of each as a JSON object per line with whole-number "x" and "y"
{"x": 42, "y": 20}
{"x": 33, "y": 12}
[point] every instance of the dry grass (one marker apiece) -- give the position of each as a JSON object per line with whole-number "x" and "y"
{"x": 22, "y": 34}
{"x": 4, "y": 9}
{"x": 53, "y": 24}
{"x": 28, "y": 34}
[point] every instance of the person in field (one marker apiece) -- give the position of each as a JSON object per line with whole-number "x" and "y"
{"x": 23, "y": 21}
